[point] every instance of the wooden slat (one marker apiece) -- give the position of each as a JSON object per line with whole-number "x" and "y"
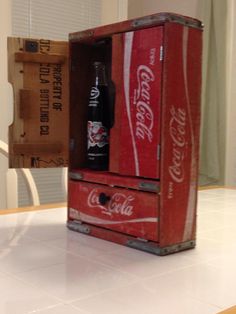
{"x": 36, "y": 148}
{"x": 26, "y": 101}
{"x": 31, "y": 208}
{"x": 210, "y": 187}
{"x": 231, "y": 310}
{"x": 39, "y": 58}
{"x": 213, "y": 187}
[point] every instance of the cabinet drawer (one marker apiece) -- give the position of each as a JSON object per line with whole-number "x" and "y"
{"x": 123, "y": 210}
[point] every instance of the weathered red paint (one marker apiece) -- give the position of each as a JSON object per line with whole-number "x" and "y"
{"x": 180, "y": 133}
{"x": 165, "y": 216}
{"x": 123, "y": 211}
{"x": 135, "y": 147}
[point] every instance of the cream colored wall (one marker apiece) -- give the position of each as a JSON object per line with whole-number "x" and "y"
{"x": 5, "y": 30}
{"x": 230, "y": 172}
{"x": 5, "y": 91}
{"x": 144, "y": 7}
{"x": 114, "y": 11}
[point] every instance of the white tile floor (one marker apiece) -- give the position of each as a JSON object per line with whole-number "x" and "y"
{"x": 45, "y": 268}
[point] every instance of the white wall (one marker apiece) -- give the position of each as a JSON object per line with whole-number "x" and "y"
{"x": 5, "y": 91}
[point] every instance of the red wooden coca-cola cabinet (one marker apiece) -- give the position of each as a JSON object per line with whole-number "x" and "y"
{"x": 147, "y": 199}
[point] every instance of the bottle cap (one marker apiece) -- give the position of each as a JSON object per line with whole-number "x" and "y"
{"x": 98, "y": 63}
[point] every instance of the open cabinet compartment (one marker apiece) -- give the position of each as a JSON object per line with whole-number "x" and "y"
{"x": 134, "y": 69}
{"x": 83, "y": 55}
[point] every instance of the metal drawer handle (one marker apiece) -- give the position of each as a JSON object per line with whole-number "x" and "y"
{"x": 103, "y": 198}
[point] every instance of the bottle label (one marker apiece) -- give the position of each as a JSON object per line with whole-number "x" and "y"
{"x": 97, "y": 134}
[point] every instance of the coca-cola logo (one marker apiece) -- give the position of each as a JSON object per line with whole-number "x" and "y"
{"x": 119, "y": 203}
{"x": 177, "y": 130}
{"x": 144, "y": 113}
{"x": 94, "y": 94}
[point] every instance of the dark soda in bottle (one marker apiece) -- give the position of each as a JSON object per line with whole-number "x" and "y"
{"x": 98, "y": 120}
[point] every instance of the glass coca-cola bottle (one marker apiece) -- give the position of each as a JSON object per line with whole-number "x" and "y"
{"x": 98, "y": 120}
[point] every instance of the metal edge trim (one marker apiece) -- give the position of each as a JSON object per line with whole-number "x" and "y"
{"x": 75, "y": 176}
{"x": 79, "y": 227}
{"x": 150, "y": 247}
{"x": 161, "y": 18}
{"x": 81, "y": 35}
{"x": 149, "y": 187}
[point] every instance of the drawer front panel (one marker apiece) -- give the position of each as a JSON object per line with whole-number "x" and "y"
{"x": 127, "y": 211}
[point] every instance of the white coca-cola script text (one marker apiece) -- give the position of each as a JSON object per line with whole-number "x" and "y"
{"x": 119, "y": 203}
{"x": 144, "y": 113}
{"x": 177, "y": 129}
